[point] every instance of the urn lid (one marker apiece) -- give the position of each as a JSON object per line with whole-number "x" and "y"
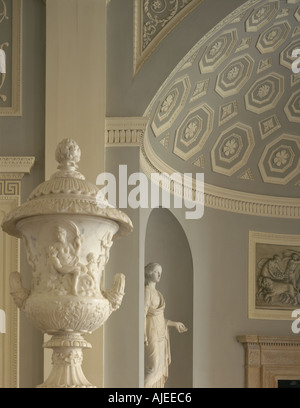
{"x": 66, "y": 192}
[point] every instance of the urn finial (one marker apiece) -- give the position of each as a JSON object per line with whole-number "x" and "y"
{"x": 67, "y": 154}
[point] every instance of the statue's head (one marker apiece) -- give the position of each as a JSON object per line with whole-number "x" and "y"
{"x": 150, "y": 269}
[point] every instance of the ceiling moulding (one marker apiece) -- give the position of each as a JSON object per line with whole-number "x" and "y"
{"x": 234, "y": 100}
{"x": 225, "y": 199}
{"x": 124, "y": 131}
{"x": 11, "y": 44}
{"x": 153, "y": 21}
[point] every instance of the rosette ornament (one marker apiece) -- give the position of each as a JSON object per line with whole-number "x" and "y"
{"x": 68, "y": 229}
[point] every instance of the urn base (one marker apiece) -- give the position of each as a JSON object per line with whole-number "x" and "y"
{"x": 67, "y": 359}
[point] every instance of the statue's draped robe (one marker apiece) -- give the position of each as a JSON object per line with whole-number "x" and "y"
{"x": 157, "y": 353}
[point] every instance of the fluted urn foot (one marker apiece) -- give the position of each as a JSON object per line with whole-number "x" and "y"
{"x": 67, "y": 359}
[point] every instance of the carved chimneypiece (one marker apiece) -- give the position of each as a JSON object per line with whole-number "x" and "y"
{"x": 269, "y": 359}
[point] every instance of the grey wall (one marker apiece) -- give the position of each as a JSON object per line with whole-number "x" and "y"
{"x": 219, "y": 249}
{"x": 121, "y": 331}
{"x": 24, "y": 136}
{"x": 219, "y": 244}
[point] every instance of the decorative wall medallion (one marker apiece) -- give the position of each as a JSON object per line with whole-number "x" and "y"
{"x": 193, "y": 132}
{"x": 274, "y": 273}
{"x": 234, "y": 76}
{"x": 280, "y": 160}
{"x": 286, "y": 58}
{"x": 261, "y": 16}
{"x": 171, "y": 105}
{"x": 265, "y": 93}
{"x": 292, "y": 108}
{"x": 273, "y": 37}
{"x": 232, "y": 149}
{"x": 10, "y": 43}
{"x": 217, "y": 51}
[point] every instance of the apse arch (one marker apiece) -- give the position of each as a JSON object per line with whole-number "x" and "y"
{"x": 169, "y": 247}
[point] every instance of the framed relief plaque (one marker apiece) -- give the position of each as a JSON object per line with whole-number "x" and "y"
{"x": 274, "y": 275}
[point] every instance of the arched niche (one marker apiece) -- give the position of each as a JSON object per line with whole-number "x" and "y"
{"x": 167, "y": 244}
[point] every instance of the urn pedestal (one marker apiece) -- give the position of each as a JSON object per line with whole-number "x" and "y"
{"x": 68, "y": 229}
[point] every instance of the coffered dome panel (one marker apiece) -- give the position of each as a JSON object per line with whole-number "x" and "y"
{"x": 232, "y": 105}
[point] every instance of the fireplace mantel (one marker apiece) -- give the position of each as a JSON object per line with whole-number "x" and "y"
{"x": 269, "y": 359}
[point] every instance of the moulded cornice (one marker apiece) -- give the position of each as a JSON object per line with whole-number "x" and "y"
{"x": 225, "y": 199}
{"x": 129, "y": 131}
{"x": 16, "y": 165}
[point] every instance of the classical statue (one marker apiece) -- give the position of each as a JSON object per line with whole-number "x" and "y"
{"x": 156, "y": 331}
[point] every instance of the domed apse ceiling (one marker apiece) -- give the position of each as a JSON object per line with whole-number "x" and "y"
{"x": 231, "y": 108}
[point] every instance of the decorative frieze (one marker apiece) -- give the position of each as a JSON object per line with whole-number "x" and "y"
{"x": 124, "y": 131}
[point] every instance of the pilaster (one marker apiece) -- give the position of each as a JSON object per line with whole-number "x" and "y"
{"x": 75, "y": 105}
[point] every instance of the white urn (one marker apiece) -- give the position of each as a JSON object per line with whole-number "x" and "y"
{"x": 68, "y": 229}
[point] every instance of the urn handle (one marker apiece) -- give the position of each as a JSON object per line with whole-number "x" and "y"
{"x": 18, "y": 292}
{"x": 115, "y": 295}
